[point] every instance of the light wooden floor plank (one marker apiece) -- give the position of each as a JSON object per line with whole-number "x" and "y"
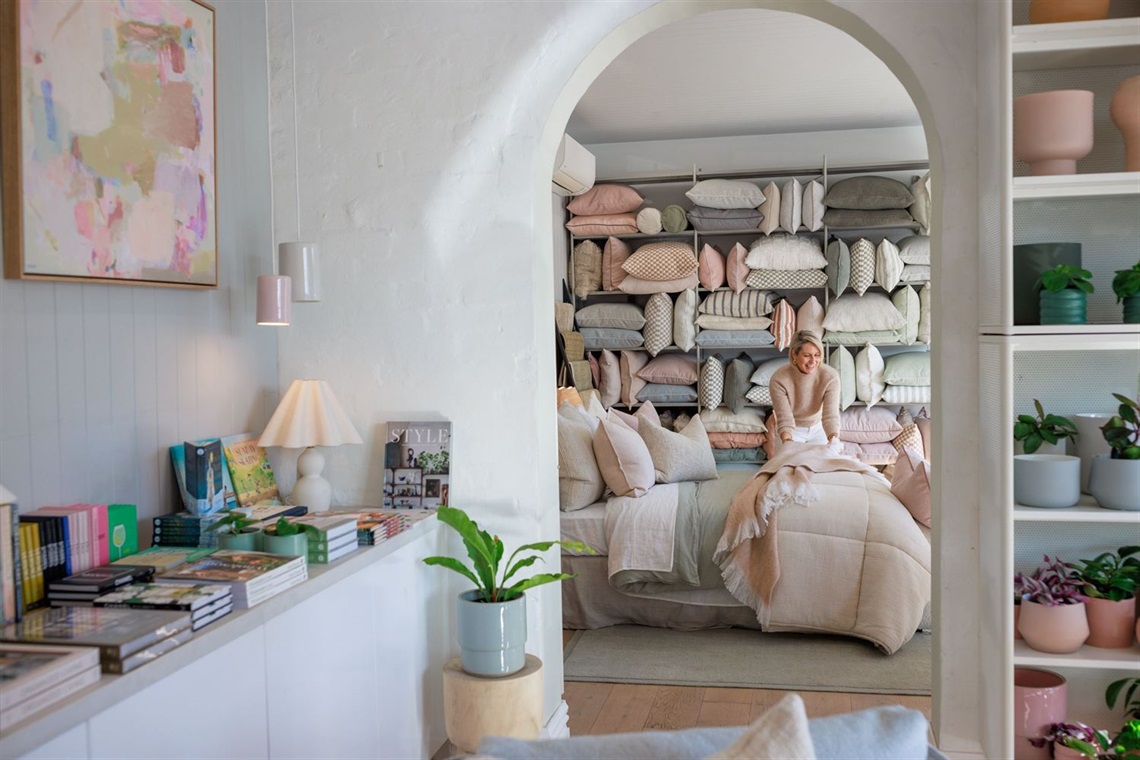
{"x": 675, "y": 707}
{"x": 821, "y": 703}
{"x": 724, "y": 714}
{"x": 625, "y": 709}
{"x": 719, "y": 694}
{"x": 585, "y": 702}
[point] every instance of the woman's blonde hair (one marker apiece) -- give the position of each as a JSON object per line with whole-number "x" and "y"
{"x": 802, "y": 338}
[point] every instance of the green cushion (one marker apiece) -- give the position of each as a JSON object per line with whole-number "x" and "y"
{"x": 911, "y": 368}
{"x": 838, "y": 266}
{"x": 843, "y": 362}
{"x": 674, "y": 219}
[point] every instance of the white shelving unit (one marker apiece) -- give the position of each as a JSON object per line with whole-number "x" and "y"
{"x": 1086, "y": 511}
{"x": 1085, "y": 658}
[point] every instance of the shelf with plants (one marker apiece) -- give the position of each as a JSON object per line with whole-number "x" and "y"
{"x": 1086, "y": 511}
{"x": 1075, "y": 44}
{"x": 1060, "y": 187}
{"x": 1091, "y": 658}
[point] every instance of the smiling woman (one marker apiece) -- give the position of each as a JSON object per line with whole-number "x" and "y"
{"x": 805, "y": 394}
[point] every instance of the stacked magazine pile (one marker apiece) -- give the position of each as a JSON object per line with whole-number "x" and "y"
{"x": 206, "y": 602}
{"x": 81, "y": 588}
{"x": 253, "y": 577}
{"x": 34, "y": 677}
{"x": 375, "y": 526}
{"x": 332, "y": 535}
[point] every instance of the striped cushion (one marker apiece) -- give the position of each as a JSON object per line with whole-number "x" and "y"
{"x": 784, "y": 325}
{"x": 862, "y": 265}
{"x": 888, "y": 265}
{"x": 668, "y": 260}
{"x": 759, "y": 394}
{"x": 747, "y": 303}
{"x": 907, "y": 394}
{"x": 838, "y": 266}
{"x": 790, "y": 279}
{"x": 658, "y": 330}
{"x": 712, "y": 383}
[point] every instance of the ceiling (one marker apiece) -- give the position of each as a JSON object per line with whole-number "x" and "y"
{"x": 740, "y": 72}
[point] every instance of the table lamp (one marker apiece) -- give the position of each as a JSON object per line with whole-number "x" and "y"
{"x": 309, "y": 416}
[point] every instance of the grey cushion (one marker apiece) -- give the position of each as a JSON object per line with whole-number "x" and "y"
{"x": 724, "y": 456}
{"x": 597, "y": 338}
{"x": 878, "y": 337}
{"x": 679, "y": 456}
{"x": 711, "y": 219}
{"x": 869, "y": 192}
{"x": 627, "y": 316}
{"x": 838, "y": 266}
{"x": 737, "y": 382}
{"x": 662, "y": 393}
{"x": 892, "y": 217}
{"x": 735, "y": 338}
{"x": 915, "y": 249}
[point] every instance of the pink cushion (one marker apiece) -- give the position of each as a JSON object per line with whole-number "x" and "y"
{"x": 671, "y": 369}
{"x": 605, "y": 199}
{"x": 630, "y": 364}
{"x": 603, "y": 224}
{"x": 623, "y": 457}
{"x": 609, "y": 384}
{"x": 648, "y": 412}
{"x": 736, "y": 271}
{"x": 808, "y": 317}
{"x": 784, "y": 324}
{"x": 877, "y": 454}
{"x": 862, "y": 425}
{"x": 711, "y": 271}
{"x": 613, "y": 256}
{"x": 911, "y": 485}
{"x": 922, "y": 419}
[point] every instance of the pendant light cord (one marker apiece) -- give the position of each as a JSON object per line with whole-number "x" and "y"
{"x": 296, "y": 148}
{"x": 269, "y": 146}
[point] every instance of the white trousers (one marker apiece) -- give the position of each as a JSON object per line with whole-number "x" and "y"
{"x": 812, "y": 434}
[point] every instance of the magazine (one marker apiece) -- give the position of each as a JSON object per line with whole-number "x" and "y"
{"x": 417, "y": 465}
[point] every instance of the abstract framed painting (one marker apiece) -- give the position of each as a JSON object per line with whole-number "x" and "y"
{"x": 108, "y": 141}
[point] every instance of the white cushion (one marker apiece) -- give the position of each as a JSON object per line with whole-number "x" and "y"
{"x": 770, "y": 208}
{"x": 684, "y": 319}
{"x": 852, "y": 313}
{"x": 781, "y": 733}
{"x": 810, "y": 316}
{"x": 920, "y": 209}
{"x": 726, "y": 193}
{"x": 907, "y": 394}
{"x": 791, "y": 198}
{"x": 764, "y": 372}
{"x": 924, "y": 314}
{"x": 649, "y": 221}
{"x": 888, "y": 265}
{"x": 813, "y": 208}
{"x": 905, "y": 299}
{"x": 869, "y": 376}
{"x": 580, "y": 481}
{"x": 786, "y": 252}
{"x": 915, "y": 250}
{"x": 759, "y": 394}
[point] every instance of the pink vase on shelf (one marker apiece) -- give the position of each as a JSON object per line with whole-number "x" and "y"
{"x": 1111, "y": 624}
{"x": 1062, "y": 11}
{"x": 1040, "y": 699}
{"x": 1053, "y": 130}
{"x": 1060, "y": 629}
{"x": 1125, "y": 112}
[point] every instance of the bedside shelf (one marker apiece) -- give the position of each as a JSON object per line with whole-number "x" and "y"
{"x": 1077, "y": 44}
{"x": 1086, "y": 511}
{"x": 1062, "y": 186}
{"x": 1086, "y": 657}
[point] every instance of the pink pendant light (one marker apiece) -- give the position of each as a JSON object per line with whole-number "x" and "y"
{"x": 274, "y": 300}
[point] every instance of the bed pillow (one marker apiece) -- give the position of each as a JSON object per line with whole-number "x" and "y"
{"x": 717, "y": 322}
{"x": 907, "y": 394}
{"x": 910, "y": 368}
{"x": 658, "y": 329}
{"x": 843, "y": 362}
{"x": 681, "y": 456}
{"x": 723, "y": 219}
{"x": 649, "y": 221}
{"x": 905, "y": 299}
{"x": 637, "y": 286}
{"x": 630, "y": 363}
{"x": 851, "y": 313}
{"x": 597, "y": 338}
{"x": 783, "y": 325}
{"x": 723, "y": 420}
{"x": 667, "y": 260}
{"x": 862, "y": 265}
{"x": 602, "y": 224}
{"x": 780, "y": 732}
{"x": 580, "y": 481}
{"x": 838, "y": 266}
{"x": 663, "y": 393}
{"x": 888, "y": 265}
{"x": 866, "y": 425}
{"x": 710, "y": 267}
{"x": 869, "y": 376}
{"x": 770, "y": 208}
{"x": 786, "y": 252}
{"x": 684, "y": 319}
{"x": 857, "y": 219}
{"x": 613, "y": 256}
{"x": 587, "y": 268}
{"x": 747, "y": 303}
{"x": 791, "y": 208}
{"x": 810, "y": 316}
{"x": 734, "y": 338}
{"x": 911, "y": 485}
{"x": 605, "y": 199}
{"x": 813, "y": 208}
{"x": 764, "y": 372}
{"x": 627, "y": 316}
{"x": 920, "y": 209}
{"x": 868, "y": 192}
{"x": 777, "y": 279}
{"x": 623, "y": 459}
{"x": 736, "y": 268}
{"x": 737, "y": 382}
{"x": 712, "y": 383}
{"x": 673, "y": 218}
{"x": 672, "y": 369}
{"x": 915, "y": 249}
{"x": 725, "y": 193}
{"x": 924, "y": 314}
{"x": 609, "y": 379}
{"x": 759, "y": 394}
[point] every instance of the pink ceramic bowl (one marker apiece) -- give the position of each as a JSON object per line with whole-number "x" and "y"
{"x": 1052, "y": 130}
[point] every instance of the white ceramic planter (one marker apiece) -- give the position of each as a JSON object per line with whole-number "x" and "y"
{"x": 1059, "y": 448}
{"x": 1046, "y": 480}
{"x": 1115, "y": 483}
{"x": 1090, "y": 442}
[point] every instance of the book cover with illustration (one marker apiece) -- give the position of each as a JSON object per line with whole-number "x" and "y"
{"x": 417, "y": 465}
{"x": 231, "y": 566}
{"x": 203, "y": 478}
{"x": 250, "y": 471}
{"x": 117, "y": 633}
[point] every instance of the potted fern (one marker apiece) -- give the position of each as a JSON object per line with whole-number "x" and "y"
{"x": 491, "y": 618}
{"x": 1064, "y": 294}
{"x": 1114, "y": 479}
{"x": 1109, "y": 582}
{"x": 1052, "y": 610}
{"x": 1126, "y": 286}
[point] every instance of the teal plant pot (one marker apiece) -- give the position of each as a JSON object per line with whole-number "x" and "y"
{"x": 1132, "y": 310}
{"x": 492, "y": 635}
{"x": 1030, "y": 261}
{"x": 1064, "y": 308}
{"x": 296, "y": 545}
{"x": 246, "y": 541}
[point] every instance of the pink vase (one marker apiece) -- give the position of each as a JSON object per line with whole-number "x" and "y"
{"x": 1125, "y": 112}
{"x": 1111, "y": 624}
{"x": 1052, "y": 130}
{"x": 1039, "y": 700}
{"x": 1056, "y": 630}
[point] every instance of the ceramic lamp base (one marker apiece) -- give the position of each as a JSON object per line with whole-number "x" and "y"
{"x": 312, "y": 490}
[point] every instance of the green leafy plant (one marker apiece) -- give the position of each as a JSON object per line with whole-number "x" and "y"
{"x": 1126, "y": 282}
{"x": 1065, "y": 277}
{"x": 233, "y": 521}
{"x": 1122, "y": 432}
{"x": 286, "y": 527}
{"x": 1109, "y": 576}
{"x": 486, "y": 554}
{"x": 1131, "y": 700}
{"x": 1044, "y": 428}
{"x": 435, "y": 463}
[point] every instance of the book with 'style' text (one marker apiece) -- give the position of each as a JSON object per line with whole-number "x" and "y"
{"x": 417, "y": 465}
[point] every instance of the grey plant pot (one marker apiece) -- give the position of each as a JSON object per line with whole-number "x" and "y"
{"x": 492, "y": 635}
{"x": 1046, "y": 480}
{"x": 1115, "y": 483}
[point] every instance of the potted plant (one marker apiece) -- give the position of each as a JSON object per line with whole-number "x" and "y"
{"x": 1052, "y": 611}
{"x": 1131, "y": 701}
{"x": 1126, "y": 286}
{"x": 1064, "y": 292}
{"x": 1114, "y": 479}
{"x": 491, "y": 618}
{"x": 1034, "y": 432}
{"x": 237, "y": 530}
{"x": 1045, "y": 477}
{"x": 286, "y": 537}
{"x": 1109, "y": 583}
{"x": 1072, "y": 741}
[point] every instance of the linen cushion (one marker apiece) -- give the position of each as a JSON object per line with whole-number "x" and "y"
{"x": 574, "y": 345}
{"x": 857, "y": 219}
{"x": 613, "y": 256}
{"x": 587, "y": 268}
{"x": 725, "y": 193}
{"x": 627, "y": 316}
{"x": 759, "y": 394}
{"x": 905, "y": 299}
{"x": 878, "y": 337}
{"x": 862, "y": 265}
{"x": 672, "y": 369}
{"x": 649, "y": 221}
{"x": 783, "y": 324}
{"x": 869, "y": 382}
{"x": 673, "y": 218}
{"x": 580, "y": 481}
{"x": 813, "y": 208}
{"x": 602, "y": 224}
{"x": 749, "y": 455}
{"x": 637, "y": 286}
{"x": 866, "y": 425}
{"x": 781, "y": 733}
{"x": 915, "y": 273}
{"x": 922, "y": 419}
{"x": 592, "y": 403}
{"x": 852, "y": 313}
{"x": 888, "y": 265}
{"x": 630, "y": 363}
{"x": 717, "y": 322}
{"x": 784, "y": 251}
{"x": 667, "y": 260}
{"x": 658, "y": 330}
{"x": 723, "y": 420}
{"x": 712, "y": 383}
{"x": 684, "y": 319}
{"x": 775, "y": 279}
{"x": 838, "y": 266}
{"x": 596, "y": 338}
{"x": 605, "y": 199}
{"x": 710, "y": 267}
{"x": 868, "y": 192}
{"x": 736, "y": 269}
{"x": 906, "y": 394}
{"x": 910, "y": 368}
{"x": 734, "y": 338}
{"x": 810, "y": 316}
{"x": 735, "y": 440}
{"x": 843, "y": 362}
{"x": 623, "y": 458}
{"x": 911, "y": 485}
{"x": 763, "y": 373}
{"x": 737, "y": 382}
{"x": 877, "y": 454}
{"x": 747, "y": 303}
{"x": 915, "y": 249}
{"x": 662, "y": 393}
{"x": 564, "y": 315}
{"x": 770, "y": 208}
{"x": 609, "y": 381}
{"x": 713, "y": 219}
{"x": 924, "y": 314}
{"x": 685, "y": 455}
{"x": 595, "y": 371}
{"x": 920, "y": 209}
{"x": 791, "y": 209}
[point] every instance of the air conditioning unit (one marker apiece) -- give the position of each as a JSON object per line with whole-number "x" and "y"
{"x": 573, "y": 168}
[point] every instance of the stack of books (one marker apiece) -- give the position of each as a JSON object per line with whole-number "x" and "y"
{"x": 126, "y": 639}
{"x": 34, "y": 677}
{"x": 252, "y": 576}
{"x": 185, "y": 529}
{"x": 376, "y": 526}
{"x": 206, "y": 602}
{"x": 164, "y": 558}
{"x": 335, "y": 535}
{"x": 80, "y": 589}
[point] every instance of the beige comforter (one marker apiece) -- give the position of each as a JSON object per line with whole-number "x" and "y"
{"x": 843, "y": 539}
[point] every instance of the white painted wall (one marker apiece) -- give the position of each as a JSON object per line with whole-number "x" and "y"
{"x": 97, "y": 381}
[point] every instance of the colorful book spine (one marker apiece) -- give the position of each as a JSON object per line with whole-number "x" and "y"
{"x": 123, "y": 531}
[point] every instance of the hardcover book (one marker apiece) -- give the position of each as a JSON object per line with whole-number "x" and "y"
{"x": 161, "y": 595}
{"x": 102, "y": 579}
{"x": 417, "y": 459}
{"x": 164, "y": 558}
{"x": 45, "y": 699}
{"x": 329, "y": 525}
{"x": 143, "y": 656}
{"x": 117, "y": 633}
{"x": 216, "y": 614}
{"x": 250, "y": 471}
{"x": 122, "y": 530}
{"x": 244, "y": 571}
{"x": 208, "y": 488}
{"x": 28, "y": 669}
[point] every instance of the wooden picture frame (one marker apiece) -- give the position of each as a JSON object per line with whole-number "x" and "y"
{"x": 108, "y": 143}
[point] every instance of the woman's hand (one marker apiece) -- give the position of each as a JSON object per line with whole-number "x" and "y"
{"x": 785, "y": 436}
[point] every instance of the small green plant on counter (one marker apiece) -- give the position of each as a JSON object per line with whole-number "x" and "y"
{"x": 286, "y": 527}
{"x": 1109, "y": 576}
{"x": 233, "y": 521}
{"x": 1044, "y": 428}
{"x": 1122, "y": 432}
{"x": 1065, "y": 277}
{"x": 1126, "y": 282}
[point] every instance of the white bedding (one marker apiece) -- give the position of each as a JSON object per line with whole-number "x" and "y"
{"x": 587, "y": 526}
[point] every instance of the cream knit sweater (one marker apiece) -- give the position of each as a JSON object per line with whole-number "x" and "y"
{"x": 800, "y": 400}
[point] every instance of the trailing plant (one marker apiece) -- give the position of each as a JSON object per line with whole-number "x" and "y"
{"x": 1085, "y": 739}
{"x": 234, "y": 521}
{"x": 1044, "y": 428}
{"x": 486, "y": 554}
{"x": 1130, "y": 701}
{"x": 1126, "y": 282}
{"x": 1109, "y": 576}
{"x": 1122, "y": 432}
{"x": 1050, "y": 585}
{"x": 1065, "y": 277}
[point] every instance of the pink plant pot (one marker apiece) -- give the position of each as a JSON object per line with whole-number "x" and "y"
{"x": 1061, "y": 752}
{"x": 1111, "y": 624}
{"x": 1040, "y": 698}
{"x": 1056, "y": 630}
{"x": 1052, "y": 130}
{"x": 1062, "y": 11}
{"x": 1125, "y": 112}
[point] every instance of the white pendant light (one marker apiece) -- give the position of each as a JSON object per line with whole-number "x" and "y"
{"x": 299, "y": 262}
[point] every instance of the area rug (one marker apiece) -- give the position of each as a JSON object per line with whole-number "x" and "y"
{"x": 737, "y": 657}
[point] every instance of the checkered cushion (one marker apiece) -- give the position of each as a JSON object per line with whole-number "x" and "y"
{"x": 759, "y": 394}
{"x": 658, "y": 329}
{"x": 712, "y": 383}
{"x": 747, "y": 303}
{"x": 668, "y": 260}
{"x": 862, "y": 265}
{"x": 909, "y": 438}
{"x": 791, "y": 279}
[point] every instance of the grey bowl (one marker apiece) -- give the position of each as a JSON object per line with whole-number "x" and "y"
{"x": 1046, "y": 480}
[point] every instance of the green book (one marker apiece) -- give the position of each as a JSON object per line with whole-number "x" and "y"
{"x": 122, "y": 530}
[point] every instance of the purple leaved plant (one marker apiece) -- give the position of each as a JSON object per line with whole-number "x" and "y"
{"x": 1050, "y": 585}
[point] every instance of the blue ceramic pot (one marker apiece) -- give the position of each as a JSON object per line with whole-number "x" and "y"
{"x": 1066, "y": 307}
{"x": 492, "y": 635}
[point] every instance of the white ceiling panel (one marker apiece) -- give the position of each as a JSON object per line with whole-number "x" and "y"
{"x": 740, "y": 72}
